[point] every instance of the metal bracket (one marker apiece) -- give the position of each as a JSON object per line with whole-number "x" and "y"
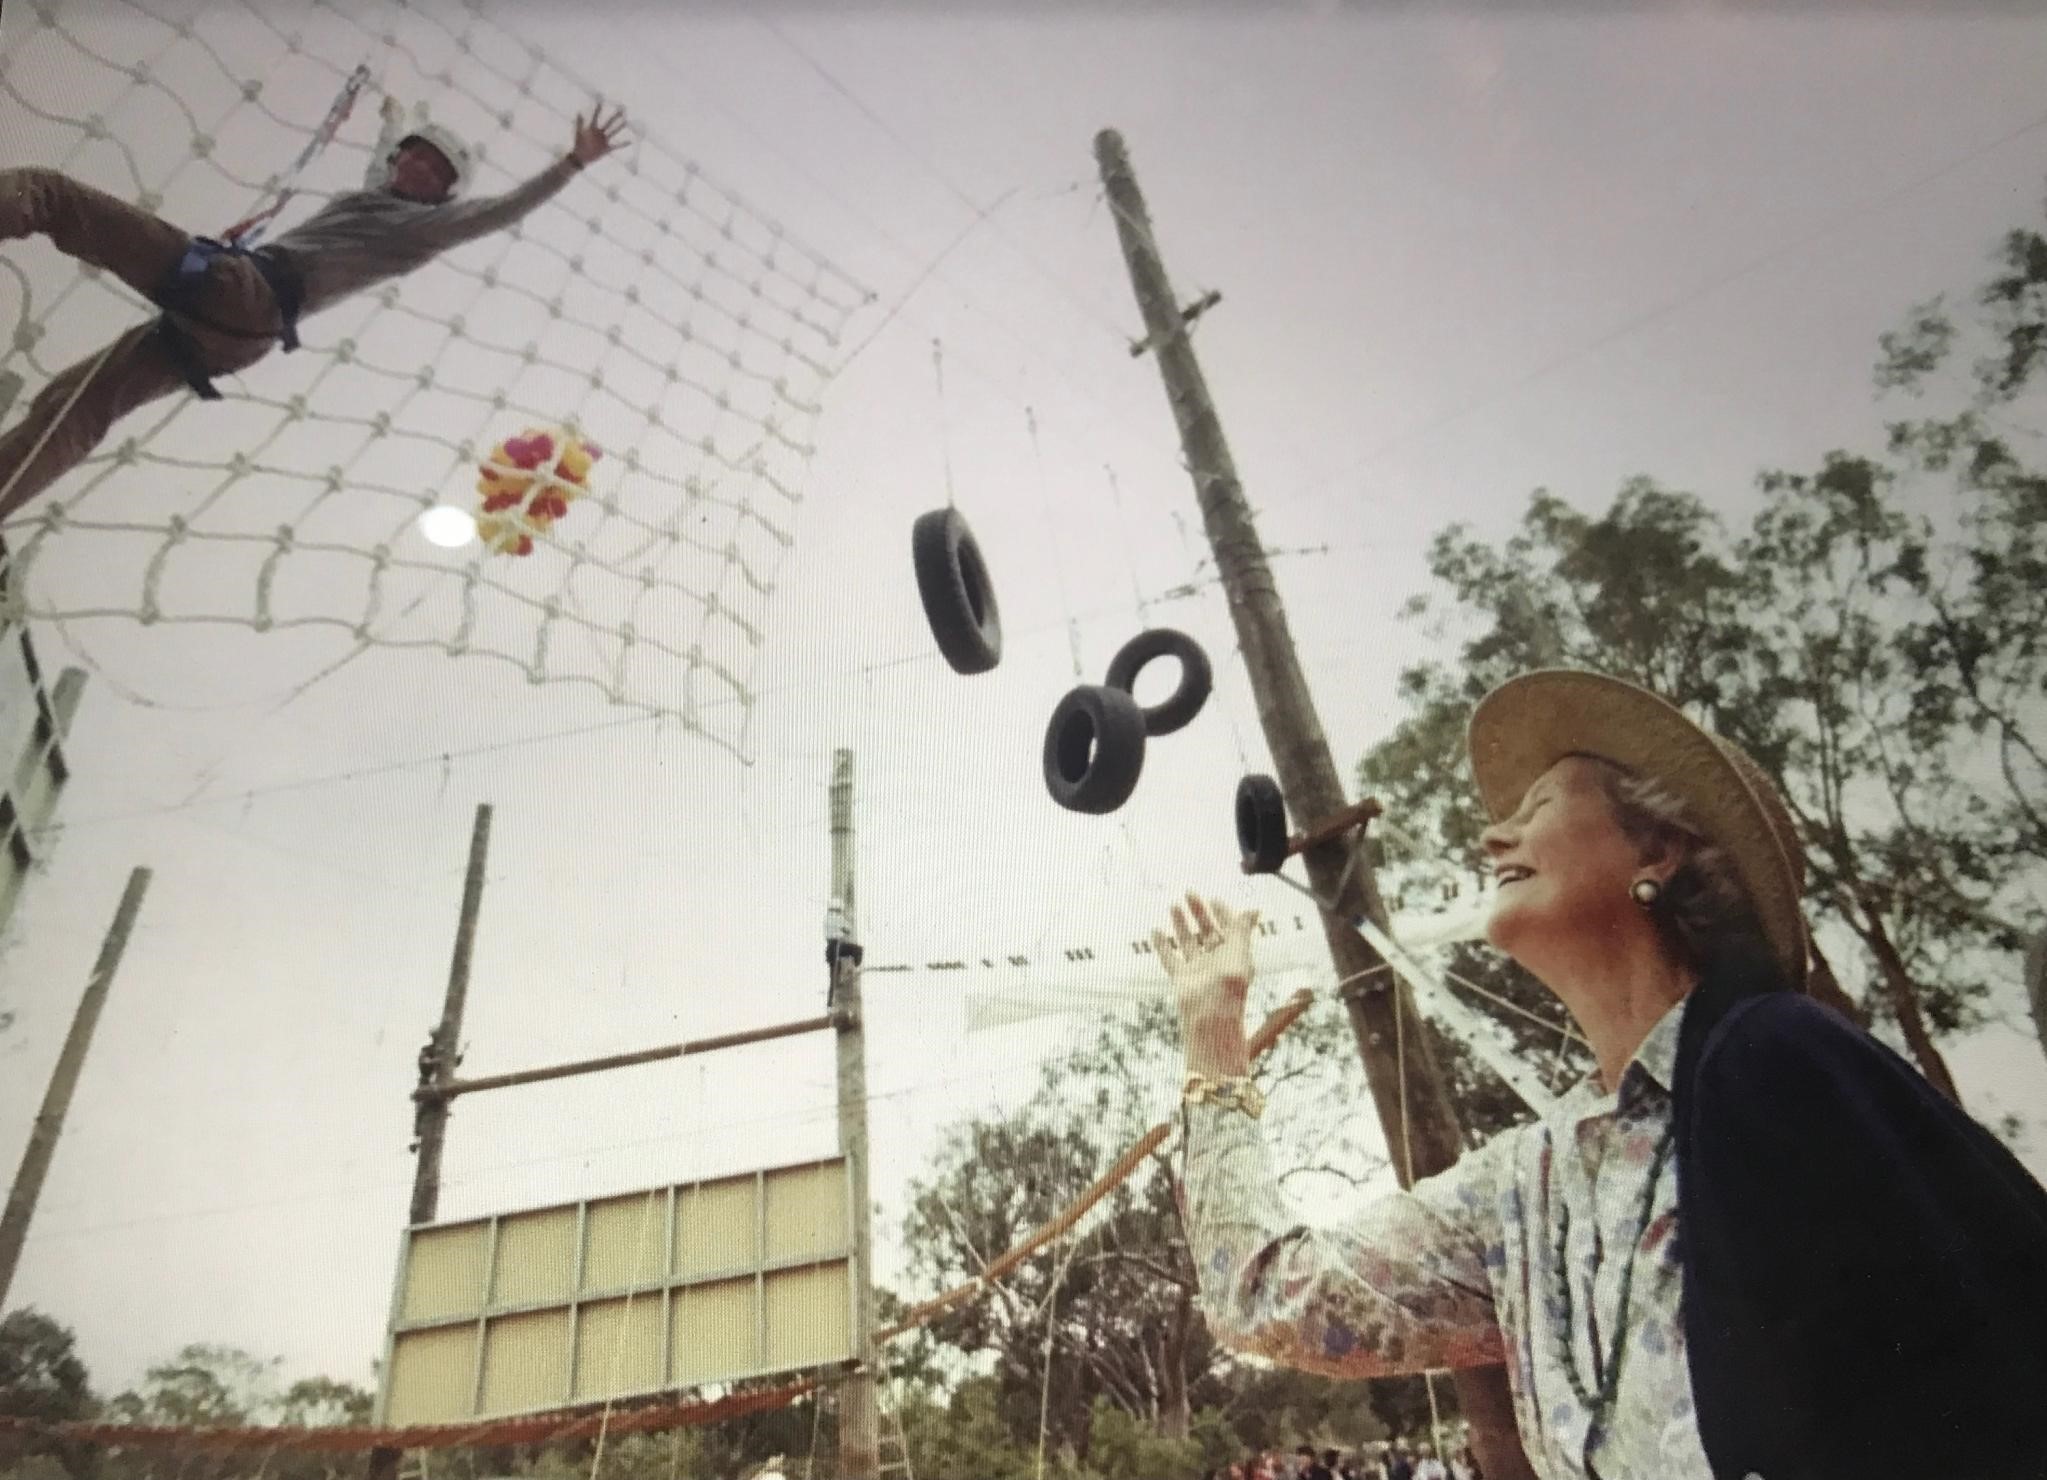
{"x": 1188, "y": 315}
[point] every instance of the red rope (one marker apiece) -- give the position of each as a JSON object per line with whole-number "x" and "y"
{"x": 529, "y": 1428}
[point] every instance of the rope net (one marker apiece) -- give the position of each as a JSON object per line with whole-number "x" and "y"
{"x": 646, "y": 310}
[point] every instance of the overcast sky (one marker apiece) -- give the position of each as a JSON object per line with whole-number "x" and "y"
{"x": 1461, "y": 257}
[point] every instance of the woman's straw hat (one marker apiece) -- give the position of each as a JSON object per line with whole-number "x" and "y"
{"x": 1531, "y": 722}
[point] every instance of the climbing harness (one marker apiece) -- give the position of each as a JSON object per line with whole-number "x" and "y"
{"x": 182, "y": 292}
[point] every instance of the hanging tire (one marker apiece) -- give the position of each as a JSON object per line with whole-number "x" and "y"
{"x": 1261, "y": 825}
{"x": 959, "y": 599}
{"x": 1196, "y": 677}
{"x": 1094, "y": 749}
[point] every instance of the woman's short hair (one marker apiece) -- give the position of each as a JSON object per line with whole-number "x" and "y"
{"x": 1704, "y": 911}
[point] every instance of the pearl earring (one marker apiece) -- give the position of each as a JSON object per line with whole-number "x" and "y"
{"x": 1646, "y": 892}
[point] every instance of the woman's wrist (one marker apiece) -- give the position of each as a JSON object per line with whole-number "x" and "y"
{"x": 1216, "y": 1048}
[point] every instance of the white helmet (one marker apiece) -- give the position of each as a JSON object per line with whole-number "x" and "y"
{"x": 446, "y": 144}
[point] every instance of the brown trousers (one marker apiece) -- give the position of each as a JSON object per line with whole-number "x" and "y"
{"x": 142, "y": 251}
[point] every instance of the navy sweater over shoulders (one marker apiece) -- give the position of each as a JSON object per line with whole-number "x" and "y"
{"x": 1865, "y": 1265}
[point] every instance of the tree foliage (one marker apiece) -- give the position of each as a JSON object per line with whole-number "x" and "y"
{"x": 1113, "y": 1314}
{"x": 42, "y": 1378}
{"x": 1873, "y": 635}
{"x": 1101, "y": 1337}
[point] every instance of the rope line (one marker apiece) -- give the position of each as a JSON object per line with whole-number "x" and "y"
{"x": 625, "y": 1326}
{"x": 944, "y": 432}
{"x": 1052, "y": 540}
{"x": 1400, "y": 1077}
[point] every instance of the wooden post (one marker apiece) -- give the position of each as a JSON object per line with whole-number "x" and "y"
{"x": 859, "y": 1410}
{"x": 49, "y": 1121}
{"x": 437, "y": 1059}
{"x": 436, "y": 1069}
{"x": 1420, "y": 1123}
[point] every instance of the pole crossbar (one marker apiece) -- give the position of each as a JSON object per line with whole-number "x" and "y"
{"x": 626, "y": 1060}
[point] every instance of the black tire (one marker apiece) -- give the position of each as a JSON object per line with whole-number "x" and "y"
{"x": 1094, "y": 750}
{"x": 959, "y": 599}
{"x": 1261, "y": 825}
{"x": 1197, "y": 678}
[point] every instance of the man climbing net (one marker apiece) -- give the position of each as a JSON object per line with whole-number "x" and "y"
{"x": 225, "y": 304}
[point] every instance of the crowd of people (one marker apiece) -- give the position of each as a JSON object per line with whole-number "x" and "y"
{"x": 1392, "y": 1460}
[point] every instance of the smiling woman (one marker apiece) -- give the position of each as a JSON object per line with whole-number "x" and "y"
{"x": 1610, "y": 895}
{"x": 1756, "y": 1242}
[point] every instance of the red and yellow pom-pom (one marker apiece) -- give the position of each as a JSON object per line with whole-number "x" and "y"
{"x": 527, "y": 483}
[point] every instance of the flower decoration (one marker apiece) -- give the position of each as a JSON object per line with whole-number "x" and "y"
{"x": 527, "y": 483}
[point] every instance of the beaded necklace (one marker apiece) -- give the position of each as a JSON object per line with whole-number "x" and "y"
{"x": 1600, "y": 1403}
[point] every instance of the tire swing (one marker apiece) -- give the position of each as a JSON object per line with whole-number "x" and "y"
{"x": 1094, "y": 745}
{"x": 959, "y": 599}
{"x": 1094, "y": 749}
{"x": 1196, "y": 677}
{"x": 1261, "y": 825}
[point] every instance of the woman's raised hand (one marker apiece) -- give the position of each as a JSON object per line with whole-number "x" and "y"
{"x": 1208, "y": 958}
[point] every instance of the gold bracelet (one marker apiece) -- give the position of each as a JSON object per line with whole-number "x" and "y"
{"x": 1234, "y": 1093}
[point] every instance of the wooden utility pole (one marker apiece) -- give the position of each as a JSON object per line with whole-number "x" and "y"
{"x": 437, "y": 1062}
{"x": 859, "y": 1410}
{"x": 1419, "y": 1119}
{"x": 49, "y": 1121}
